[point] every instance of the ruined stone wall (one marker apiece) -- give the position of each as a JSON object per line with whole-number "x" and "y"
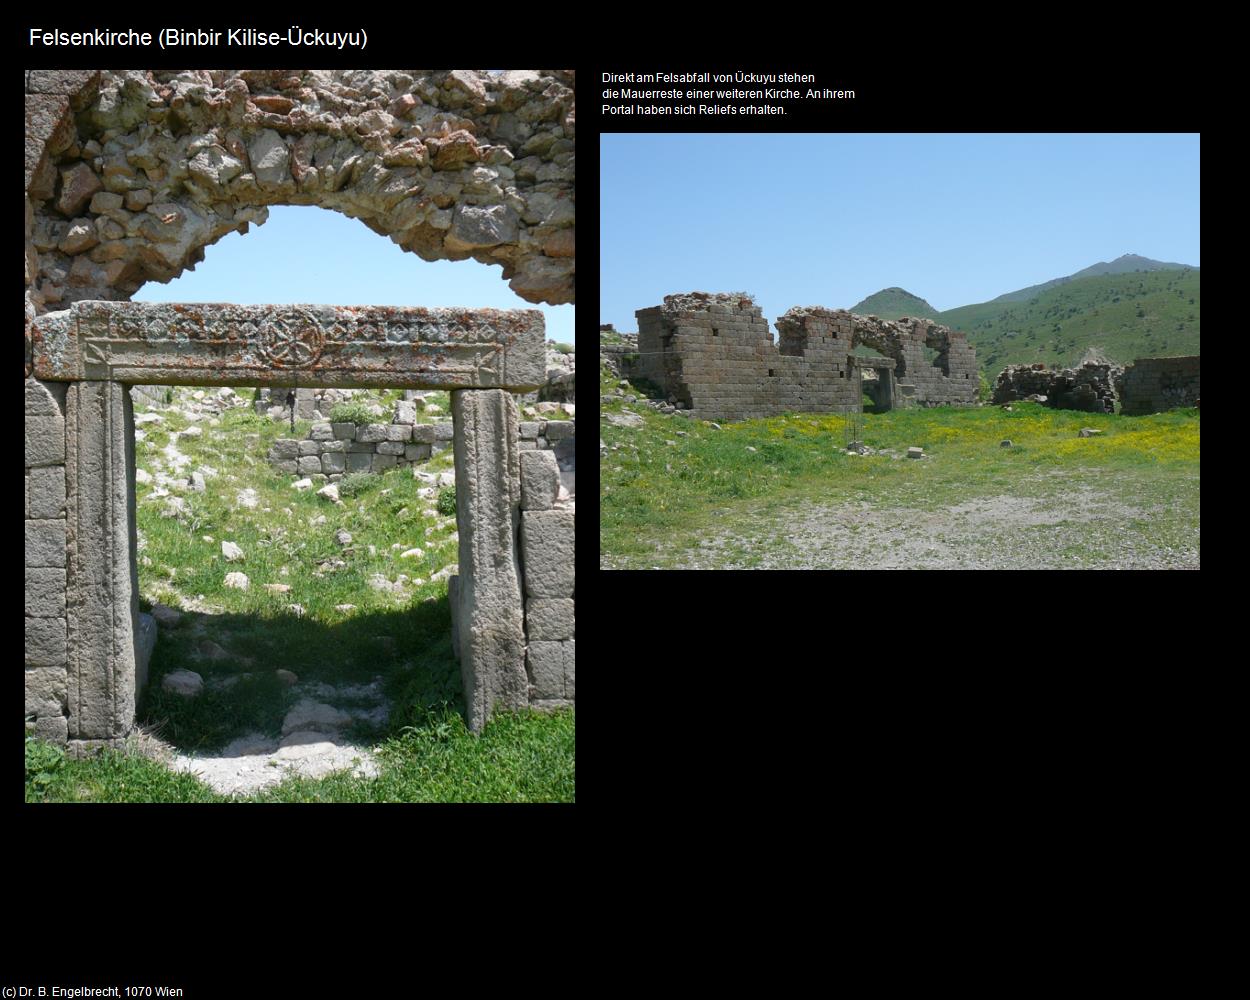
{"x": 1151, "y": 385}
{"x": 1091, "y": 387}
{"x": 46, "y": 657}
{"x": 714, "y": 354}
{"x": 547, "y": 543}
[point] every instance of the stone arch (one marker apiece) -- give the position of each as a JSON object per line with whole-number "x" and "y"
{"x": 130, "y": 174}
{"x": 868, "y": 332}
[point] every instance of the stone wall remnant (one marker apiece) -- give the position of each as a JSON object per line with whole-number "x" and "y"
{"x": 1090, "y": 388}
{"x": 713, "y": 354}
{"x": 1151, "y": 385}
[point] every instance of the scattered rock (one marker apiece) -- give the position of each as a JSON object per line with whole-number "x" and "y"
{"x": 624, "y": 420}
{"x": 298, "y": 610}
{"x": 1005, "y": 443}
{"x": 915, "y": 453}
{"x": 186, "y": 683}
{"x": 166, "y": 616}
{"x": 142, "y": 476}
{"x": 238, "y": 581}
{"x": 302, "y": 484}
{"x": 1088, "y": 432}
{"x": 330, "y": 492}
{"x": 411, "y": 553}
{"x": 209, "y": 650}
{"x": 315, "y": 716}
{"x": 345, "y": 608}
{"x": 231, "y": 551}
{"x": 174, "y": 507}
{"x": 749, "y": 448}
{"x": 278, "y": 588}
{"x": 247, "y": 498}
{"x": 343, "y": 538}
{"x": 191, "y": 432}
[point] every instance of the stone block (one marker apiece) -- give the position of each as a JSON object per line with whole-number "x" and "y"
{"x": 405, "y": 412}
{"x": 540, "y": 480}
{"x": 307, "y": 448}
{"x": 529, "y": 429}
{"x": 381, "y": 463}
{"x": 47, "y": 492}
{"x": 45, "y": 441}
{"x": 390, "y": 448}
{"x": 444, "y": 431}
{"x": 50, "y": 728}
{"x": 284, "y": 448}
{"x": 544, "y": 662}
{"x": 45, "y": 399}
{"x": 322, "y": 432}
{"x": 344, "y": 431}
{"x": 45, "y": 690}
{"x": 416, "y": 452}
{"x": 45, "y": 642}
{"x": 308, "y": 464}
{"x": 549, "y": 619}
{"x": 399, "y": 432}
{"x": 372, "y": 432}
{"x": 547, "y": 544}
{"x": 423, "y": 433}
{"x": 45, "y": 592}
{"x": 45, "y": 543}
{"x": 333, "y": 447}
{"x": 526, "y": 445}
{"x": 364, "y": 447}
{"x": 557, "y": 429}
{"x": 489, "y": 613}
{"x": 305, "y": 404}
{"x": 569, "y": 675}
{"x": 332, "y": 462}
{"x": 285, "y": 466}
{"x": 359, "y": 461}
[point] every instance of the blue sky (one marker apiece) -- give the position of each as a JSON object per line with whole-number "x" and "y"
{"x": 827, "y": 219}
{"x": 309, "y": 254}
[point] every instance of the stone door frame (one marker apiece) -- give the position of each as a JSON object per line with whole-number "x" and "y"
{"x": 86, "y": 563}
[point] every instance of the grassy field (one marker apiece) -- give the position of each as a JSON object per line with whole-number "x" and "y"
{"x": 679, "y": 493}
{"x": 330, "y": 626}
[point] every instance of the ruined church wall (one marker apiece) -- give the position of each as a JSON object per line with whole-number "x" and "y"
{"x": 715, "y": 354}
{"x": 1151, "y": 385}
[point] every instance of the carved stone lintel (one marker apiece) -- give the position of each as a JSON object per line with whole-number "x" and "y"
{"x": 283, "y": 345}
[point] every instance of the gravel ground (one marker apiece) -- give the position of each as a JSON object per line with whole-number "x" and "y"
{"x": 1080, "y": 529}
{"x": 313, "y": 745}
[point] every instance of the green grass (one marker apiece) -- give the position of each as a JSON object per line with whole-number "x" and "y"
{"x": 518, "y": 757}
{"x": 659, "y": 495}
{"x": 289, "y": 539}
{"x": 1127, "y": 316}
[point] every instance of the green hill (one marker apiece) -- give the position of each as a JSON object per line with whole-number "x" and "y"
{"x": 1125, "y": 264}
{"x": 1125, "y": 316}
{"x": 893, "y": 303}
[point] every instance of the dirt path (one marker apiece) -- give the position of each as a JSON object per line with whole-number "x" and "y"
{"x": 1080, "y": 529}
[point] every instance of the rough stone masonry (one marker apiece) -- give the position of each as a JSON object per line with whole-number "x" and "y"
{"x": 715, "y": 355}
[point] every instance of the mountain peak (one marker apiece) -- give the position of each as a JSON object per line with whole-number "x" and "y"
{"x": 893, "y": 303}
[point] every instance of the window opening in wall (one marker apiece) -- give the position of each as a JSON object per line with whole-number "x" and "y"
{"x": 715, "y": 332}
